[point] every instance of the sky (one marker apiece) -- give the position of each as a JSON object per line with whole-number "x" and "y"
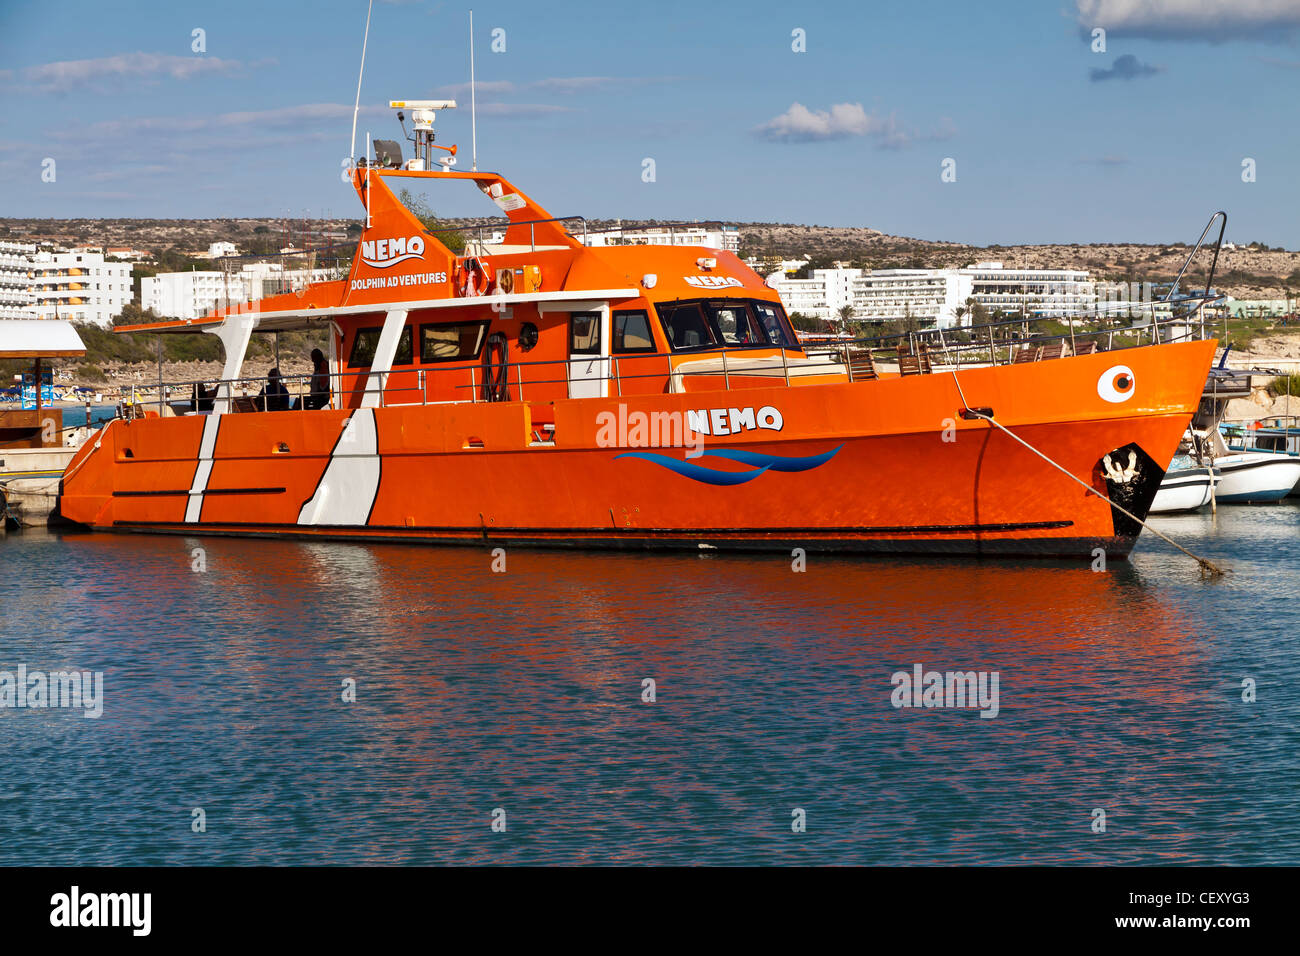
{"x": 996, "y": 122}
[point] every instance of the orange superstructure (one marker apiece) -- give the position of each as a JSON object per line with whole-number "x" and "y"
{"x": 534, "y": 390}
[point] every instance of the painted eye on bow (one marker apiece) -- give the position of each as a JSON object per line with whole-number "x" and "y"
{"x": 1116, "y": 384}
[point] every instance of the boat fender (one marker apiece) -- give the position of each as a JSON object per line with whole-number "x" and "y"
{"x": 1121, "y": 476}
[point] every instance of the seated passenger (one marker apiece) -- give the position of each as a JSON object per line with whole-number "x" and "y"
{"x": 202, "y": 400}
{"x": 274, "y": 396}
{"x": 319, "y": 396}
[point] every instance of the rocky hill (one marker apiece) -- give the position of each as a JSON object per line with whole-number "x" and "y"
{"x": 1246, "y": 272}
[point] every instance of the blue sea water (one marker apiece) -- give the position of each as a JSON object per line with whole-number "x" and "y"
{"x": 521, "y": 691}
{"x": 74, "y": 416}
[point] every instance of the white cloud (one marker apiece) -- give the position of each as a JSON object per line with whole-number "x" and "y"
{"x": 577, "y": 84}
{"x": 550, "y": 84}
{"x": 66, "y": 75}
{"x": 522, "y": 109}
{"x": 799, "y": 124}
{"x": 1192, "y": 19}
{"x": 481, "y": 88}
{"x": 280, "y": 116}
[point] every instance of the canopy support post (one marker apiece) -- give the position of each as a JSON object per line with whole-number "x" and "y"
{"x": 234, "y": 333}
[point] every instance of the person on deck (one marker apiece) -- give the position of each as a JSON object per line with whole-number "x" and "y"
{"x": 274, "y": 397}
{"x": 320, "y": 381}
{"x": 203, "y": 396}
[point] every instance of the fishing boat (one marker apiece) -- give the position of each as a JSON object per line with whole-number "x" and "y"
{"x": 1279, "y": 434}
{"x": 1187, "y": 486}
{"x": 1256, "y": 477}
{"x": 530, "y": 389}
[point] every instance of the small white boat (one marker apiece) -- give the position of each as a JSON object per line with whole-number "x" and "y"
{"x": 1186, "y": 487}
{"x": 1256, "y": 476}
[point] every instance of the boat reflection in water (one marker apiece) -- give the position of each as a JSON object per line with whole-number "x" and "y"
{"x": 524, "y": 690}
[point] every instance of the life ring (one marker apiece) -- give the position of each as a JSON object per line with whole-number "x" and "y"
{"x": 475, "y": 277}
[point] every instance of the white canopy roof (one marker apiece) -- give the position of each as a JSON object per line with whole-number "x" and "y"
{"x": 39, "y": 338}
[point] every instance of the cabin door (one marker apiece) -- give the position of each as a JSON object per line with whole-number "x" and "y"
{"x": 588, "y": 355}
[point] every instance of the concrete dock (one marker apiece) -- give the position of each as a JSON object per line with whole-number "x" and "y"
{"x": 29, "y": 484}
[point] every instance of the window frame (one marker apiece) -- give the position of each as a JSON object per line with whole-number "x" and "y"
{"x": 661, "y": 308}
{"x": 594, "y": 350}
{"x": 783, "y": 320}
{"x": 478, "y": 347}
{"x": 356, "y": 337}
{"x": 708, "y": 307}
{"x": 614, "y": 345}
{"x": 714, "y": 306}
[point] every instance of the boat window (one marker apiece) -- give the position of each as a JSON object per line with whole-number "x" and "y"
{"x": 450, "y": 343}
{"x": 685, "y": 326}
{"x": 367, "y": 341}
{"x": 632, "y": 332}
{"x": 735, "y": 324}
{"x": 584, "y": 333}
{"x": 776, "y": 324}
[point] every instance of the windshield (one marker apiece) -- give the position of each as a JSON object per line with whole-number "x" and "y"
{"x": 726, "y": 323}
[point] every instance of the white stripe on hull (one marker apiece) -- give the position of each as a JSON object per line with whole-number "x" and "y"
{"x": 194, "y": 505}
{"x": 347, "y": 489}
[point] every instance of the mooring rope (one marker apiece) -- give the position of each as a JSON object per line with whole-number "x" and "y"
{"x": 1207, "y": 567}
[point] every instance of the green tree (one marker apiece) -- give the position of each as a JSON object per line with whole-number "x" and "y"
{"x": 419, "y": 207}
{"x": 806, "y": 323}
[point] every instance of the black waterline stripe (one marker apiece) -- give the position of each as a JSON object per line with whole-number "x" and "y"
{"x": 612, "y": 532}
{"x": 210, "y": 491}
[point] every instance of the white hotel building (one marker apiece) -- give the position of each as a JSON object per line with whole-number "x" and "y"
{"x": 934, "y": 296}
{"x": 190, "y": 295}
{"x": 79, "y": 286}
{"x": 17, "y": 300}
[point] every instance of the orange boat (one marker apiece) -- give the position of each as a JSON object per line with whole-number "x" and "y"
{"x": 533, "y": 390}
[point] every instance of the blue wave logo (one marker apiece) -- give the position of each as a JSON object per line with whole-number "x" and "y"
{"x": 712, "y": 476}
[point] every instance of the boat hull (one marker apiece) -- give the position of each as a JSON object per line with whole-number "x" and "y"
{"x": 880, "y": 466}
{"x": 1256, "y": 477}
{"x": 1184, "y": 490}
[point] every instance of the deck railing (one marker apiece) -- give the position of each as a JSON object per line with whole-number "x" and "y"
{"x": 916, "y": 352}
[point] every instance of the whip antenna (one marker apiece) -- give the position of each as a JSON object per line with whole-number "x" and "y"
{"x": 473, "y": 112}
{"x": 356, "y": 107}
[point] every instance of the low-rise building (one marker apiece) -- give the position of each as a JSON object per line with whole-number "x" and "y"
{"x": 941, "y": 298}
{"x": 714, "y": 235}
{"x": 126, "y": 252}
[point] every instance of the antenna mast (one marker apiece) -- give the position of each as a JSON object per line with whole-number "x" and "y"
{"x": 356, "y": 108}
{"x": 473, "y": 111}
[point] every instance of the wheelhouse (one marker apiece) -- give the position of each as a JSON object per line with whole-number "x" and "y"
{"x": 529, "y": 313}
